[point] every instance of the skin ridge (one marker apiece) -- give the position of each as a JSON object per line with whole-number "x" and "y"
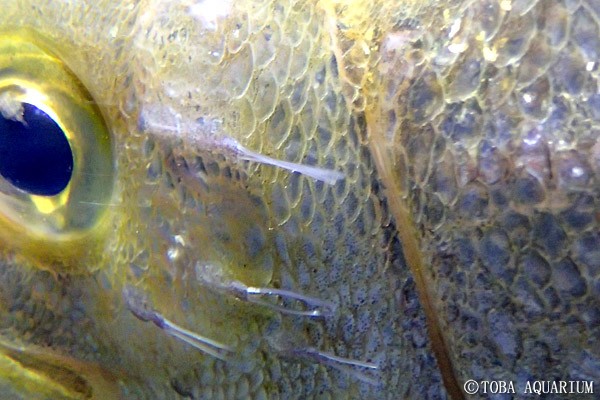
{"x": 414, "y": 261}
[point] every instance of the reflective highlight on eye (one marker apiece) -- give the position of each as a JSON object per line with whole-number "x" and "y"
{"x": 35, "y": 155}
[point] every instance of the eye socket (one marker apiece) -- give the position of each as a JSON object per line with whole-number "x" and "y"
{"x": 56, "y": 164}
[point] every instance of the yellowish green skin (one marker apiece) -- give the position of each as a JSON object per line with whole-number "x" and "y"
{"x": 461, "y": 243}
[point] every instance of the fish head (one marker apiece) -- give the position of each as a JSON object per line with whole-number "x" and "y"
{"x": 316, "y": 198}
{"x": 218, "y": 253}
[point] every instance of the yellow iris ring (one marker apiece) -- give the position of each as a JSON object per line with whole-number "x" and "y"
{"x": 31, "y": 74}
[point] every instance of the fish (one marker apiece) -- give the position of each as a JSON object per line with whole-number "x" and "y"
{"x": 301, "y": 199}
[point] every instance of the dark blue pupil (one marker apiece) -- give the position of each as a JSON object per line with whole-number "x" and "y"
{"x": 35, "y": 156}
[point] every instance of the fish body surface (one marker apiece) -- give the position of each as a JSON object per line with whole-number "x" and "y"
{"x": 303, "y": 199}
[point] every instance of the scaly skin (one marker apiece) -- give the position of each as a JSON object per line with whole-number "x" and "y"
{"x": 461, "y": 243}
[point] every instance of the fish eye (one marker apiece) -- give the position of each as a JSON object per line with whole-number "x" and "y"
{"x": 56, "y": 163}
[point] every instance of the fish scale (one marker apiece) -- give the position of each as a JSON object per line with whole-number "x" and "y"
{"x": 341, "y": 199}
